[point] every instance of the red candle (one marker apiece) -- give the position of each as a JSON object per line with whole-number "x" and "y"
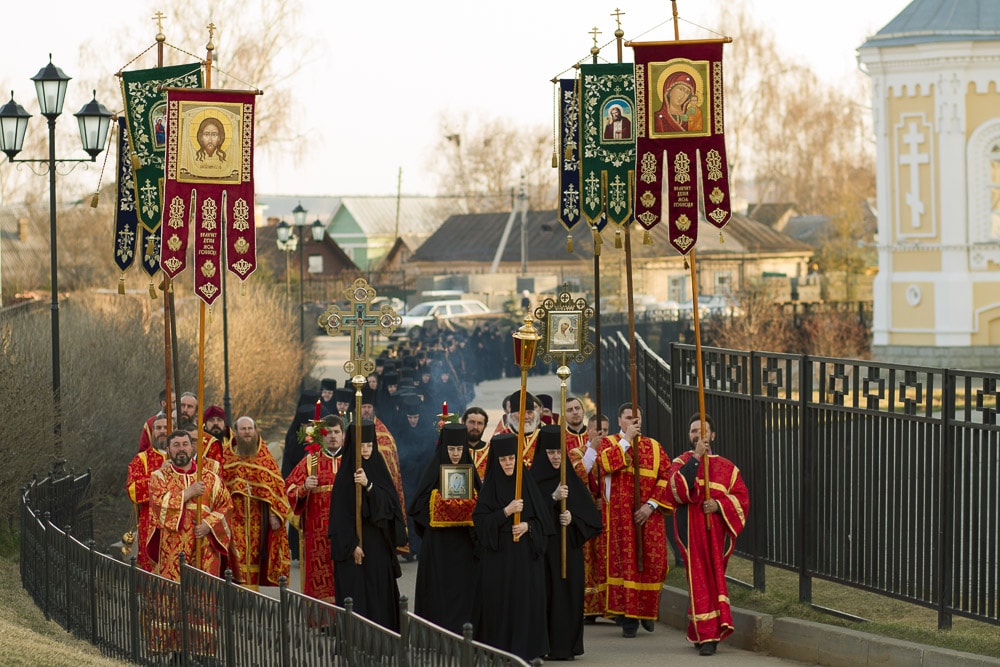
{"x": 444, "y": 408}
{"x": 318, "y": 404}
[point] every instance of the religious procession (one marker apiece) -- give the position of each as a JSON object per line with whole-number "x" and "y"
{"x": 527, "y": 530}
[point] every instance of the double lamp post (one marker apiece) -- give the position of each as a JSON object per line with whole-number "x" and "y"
{"x": 94, "y": 120}
{"x": 287, "y": 244}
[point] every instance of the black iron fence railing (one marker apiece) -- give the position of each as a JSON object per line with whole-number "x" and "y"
{"x": 879, "y": 476}
{"x": 134, "y": 616}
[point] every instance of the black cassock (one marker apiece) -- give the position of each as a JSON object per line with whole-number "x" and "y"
{"x": 446, "y": 571}
{"x": 371, "y": 585}
{"x": 565, "y": 596}
{"x": 510, "y": 593}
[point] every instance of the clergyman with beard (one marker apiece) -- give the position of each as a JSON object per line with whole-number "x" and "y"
{"x": 139, "y": 471}
{"x": 215, "y": 423}
{"x": 260, "y": 507}
{"x": 475, "y": 420}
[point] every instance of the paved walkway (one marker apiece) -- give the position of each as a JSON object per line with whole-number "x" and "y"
{"x": 603, "y": 641}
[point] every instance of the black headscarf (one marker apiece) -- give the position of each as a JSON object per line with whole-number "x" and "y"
{"x": 498, "y": 489}
{"x": 342, "y": 530}
{"x": 451, "y": 434}
{"x": 579, "y": 501}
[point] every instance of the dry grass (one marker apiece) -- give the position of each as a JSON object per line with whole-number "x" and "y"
{"x": 112, "y": 371}
{"x": 28, "y": 640}
{"x": 887, "y": 616}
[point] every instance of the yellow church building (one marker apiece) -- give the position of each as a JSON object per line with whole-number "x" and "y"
{"x": 935, "y": 72}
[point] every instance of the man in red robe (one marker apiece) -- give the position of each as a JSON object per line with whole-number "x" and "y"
{"x": 633, "y": 595}
{"x": 706, "y": 551}
{"x": 146, "y": 436}
{"x": 308, "y": 488}
{"x": 260, "y": 507}
{"x": 175, "y": 494}
{"x": 139, "y": 471}
{"x": 583, "y": 456}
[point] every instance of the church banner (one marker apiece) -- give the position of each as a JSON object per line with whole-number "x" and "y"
{"x": 126, "y": 220}
{"x": 569, "y": 153}
{"x": 146, "y": 119}
{"x": 680, "y": 135}
{"x": 209, "y": 186}
{"x": 607, "y": 112}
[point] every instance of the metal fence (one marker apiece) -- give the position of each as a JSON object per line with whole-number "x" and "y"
{"x": 878, "y": 476}
{"x": 135, "y": 616}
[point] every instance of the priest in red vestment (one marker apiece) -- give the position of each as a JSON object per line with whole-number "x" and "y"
{"x": 139, "y": 471}
{"x": 633, "y": 595}
{"x": 309, "y": 487}
{"x": 706, "y": 551}
{"x": 175, "y": 493}
{"x": 260, "y": 507}
{"x": 583, "y": 458}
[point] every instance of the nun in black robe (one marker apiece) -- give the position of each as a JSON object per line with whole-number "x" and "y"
{"x": 510, "y": 593}
{"x": 446, "y": 571}
{"x": 367, "y": 575}
{"x": 583, "y": 522}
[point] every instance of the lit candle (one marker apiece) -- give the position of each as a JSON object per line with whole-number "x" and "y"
{"x": 318, "y": 408}
{"x": 444, "y": 408}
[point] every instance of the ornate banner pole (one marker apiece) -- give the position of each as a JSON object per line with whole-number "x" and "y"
{"x": 361, "y": 322}
{"x": 525, "y": 342}
{"x": 565, "y": 334}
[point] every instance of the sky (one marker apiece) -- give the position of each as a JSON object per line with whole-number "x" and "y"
{"x": 384, "y": 76}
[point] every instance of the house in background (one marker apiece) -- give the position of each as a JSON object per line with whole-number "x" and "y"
{"x": 24, "y": 251}
{"x": 461, "y": 256}
{"x": 365, "y": 228}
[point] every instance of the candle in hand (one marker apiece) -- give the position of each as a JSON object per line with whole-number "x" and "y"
{"x": 318, "y": 408}
{"x": 444, "y": 408}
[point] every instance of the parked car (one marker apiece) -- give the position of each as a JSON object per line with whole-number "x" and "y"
{"x": 712, "y": 304}
{"x": 441, "y": 313}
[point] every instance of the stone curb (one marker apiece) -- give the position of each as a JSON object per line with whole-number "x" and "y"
{"x": 811, "y": 642}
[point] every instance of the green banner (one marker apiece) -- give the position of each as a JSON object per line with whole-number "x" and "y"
{"x": 607, "y": 113}
{"x": 146, "y": 118}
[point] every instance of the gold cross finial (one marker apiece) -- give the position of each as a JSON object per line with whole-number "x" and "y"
{"x": 211, "y": 34}
{"x": 158, "y": 17}
{"x": 618, "y": 14}
{"x": 594, "y": 33}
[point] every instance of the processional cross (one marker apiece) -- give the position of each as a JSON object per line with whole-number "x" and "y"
{"x": 361, "y": 322}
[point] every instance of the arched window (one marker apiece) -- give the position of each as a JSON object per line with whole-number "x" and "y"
{"x": 984, "y": 184}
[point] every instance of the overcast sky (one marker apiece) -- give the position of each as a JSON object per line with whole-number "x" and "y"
{"x": 385, "y": 71}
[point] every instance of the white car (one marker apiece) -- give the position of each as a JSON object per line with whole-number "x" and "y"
{"x": 437, "y": 312}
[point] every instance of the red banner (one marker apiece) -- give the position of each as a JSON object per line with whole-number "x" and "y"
{"x": 680, "y": 136}
{"x": 209, "y": 186}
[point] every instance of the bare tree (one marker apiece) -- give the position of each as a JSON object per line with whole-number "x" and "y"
{"x": 479, "y": 164}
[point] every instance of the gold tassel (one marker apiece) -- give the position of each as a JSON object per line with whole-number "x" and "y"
{"x": 569, "y": 243}
{"x": 170, "y": 287}
{"x": 555, "y": 160}
{"x": 687, "y": 267}
{"x": 598, "y": 241}
{"x": 722, "y": 239}
{"x": 211, "y": 314}
{"x": 243, "y": 289}
{"x": 618, "y": 239}
{"x": 152, "y": 290}
{"x": 136, "y": 163}
{"x": 647, "y": 238}
{"x": 150, "y": 246}
{"x": 121, "y": 283}
{"x": 94, "y": 200}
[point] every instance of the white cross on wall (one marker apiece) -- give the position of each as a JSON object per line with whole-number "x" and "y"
{"x": 913, "y": 138}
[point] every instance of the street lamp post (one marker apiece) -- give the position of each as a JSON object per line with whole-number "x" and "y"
{"x": 94, "y": 121}
{"x": 284, "y": 231}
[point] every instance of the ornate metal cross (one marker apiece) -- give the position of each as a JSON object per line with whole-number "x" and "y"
{"x": 361, "y": 322}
